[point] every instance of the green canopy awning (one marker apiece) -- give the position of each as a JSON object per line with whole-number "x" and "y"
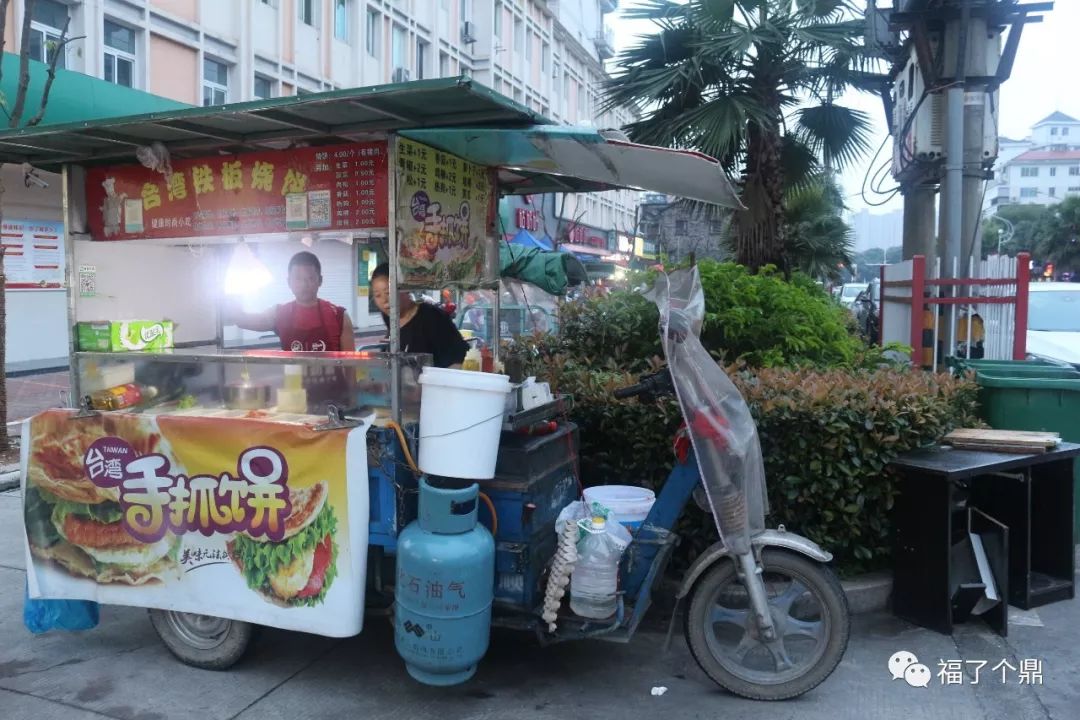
{"x": 350, "y": 115}
{"x": 76, "y": 97}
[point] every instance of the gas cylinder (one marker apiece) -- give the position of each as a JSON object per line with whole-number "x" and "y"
{"x": 445, "y": 585}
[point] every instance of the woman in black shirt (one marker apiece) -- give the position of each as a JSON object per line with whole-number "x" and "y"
{"x": 424, "y": 327}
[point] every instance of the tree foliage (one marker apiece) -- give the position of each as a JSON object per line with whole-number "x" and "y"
{"x": 752, "y": 83}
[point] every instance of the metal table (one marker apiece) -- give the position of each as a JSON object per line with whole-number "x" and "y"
{"x": 1019, "y": 506}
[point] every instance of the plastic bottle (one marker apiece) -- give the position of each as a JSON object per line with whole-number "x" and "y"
{"x": 122, "y": 396}
{"x": 473, "y": 360}
{"x": 595, "y": 579}
{"x": 487, "y": 359}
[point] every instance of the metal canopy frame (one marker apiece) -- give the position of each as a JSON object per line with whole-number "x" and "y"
{"x": 337, "y": 116}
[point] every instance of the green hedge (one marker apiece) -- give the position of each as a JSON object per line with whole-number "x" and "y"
{"x": 826, "y": 437}
{"x": 830, "y": 414}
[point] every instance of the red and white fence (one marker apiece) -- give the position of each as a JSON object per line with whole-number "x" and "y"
{"x": 921, "y": 308}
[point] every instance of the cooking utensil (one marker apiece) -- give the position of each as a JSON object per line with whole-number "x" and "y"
{"x": 247, "y": 396}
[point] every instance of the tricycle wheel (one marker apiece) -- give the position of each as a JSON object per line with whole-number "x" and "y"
{"x": 202, "y": 641}
{"x": 809, "y": 612}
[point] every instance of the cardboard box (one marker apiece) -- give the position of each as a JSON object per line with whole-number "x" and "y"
{"x": 125, "y": 336}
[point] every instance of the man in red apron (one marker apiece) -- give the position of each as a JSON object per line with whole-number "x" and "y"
{"x": 308, "y": 324}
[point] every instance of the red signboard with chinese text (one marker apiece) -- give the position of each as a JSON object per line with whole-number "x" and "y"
{"x": 334, "y": 187}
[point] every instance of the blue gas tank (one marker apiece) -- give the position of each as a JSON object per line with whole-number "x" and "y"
{"x": 444, "y": 589}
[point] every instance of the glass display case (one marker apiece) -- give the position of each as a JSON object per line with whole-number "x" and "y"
{"x": 268, "y": 384}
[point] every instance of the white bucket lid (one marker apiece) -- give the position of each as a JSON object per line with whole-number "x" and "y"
{"x": 465, "y": 379}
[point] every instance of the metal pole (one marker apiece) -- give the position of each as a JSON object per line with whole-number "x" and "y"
{"x": 974, "y": 131}
{"x": 395, "y": 309}
{"x": 71, "y": 274}
{"x": 952, "y": 204}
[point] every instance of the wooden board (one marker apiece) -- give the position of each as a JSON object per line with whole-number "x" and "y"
{"x": 1013, "y": 441}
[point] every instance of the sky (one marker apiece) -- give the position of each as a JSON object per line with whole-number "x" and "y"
{"x": 1045, "y": 78}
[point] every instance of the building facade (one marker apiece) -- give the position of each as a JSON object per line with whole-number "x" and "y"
{"x": 546, "y": 54}
{"x": 678, "y": 229}
{"x": 1041, "y": 169}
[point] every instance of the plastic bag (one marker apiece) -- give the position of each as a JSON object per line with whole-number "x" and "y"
{"x": 43, "y": 615}
{"x": 579, "y": 511}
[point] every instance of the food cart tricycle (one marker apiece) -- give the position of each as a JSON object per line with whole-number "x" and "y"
{"x": 224, "y": 487}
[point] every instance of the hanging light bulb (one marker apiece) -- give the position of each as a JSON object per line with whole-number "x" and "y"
{"x": 246, "y": 273}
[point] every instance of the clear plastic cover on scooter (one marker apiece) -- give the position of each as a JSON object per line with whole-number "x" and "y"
{"x": 718, "y": 421}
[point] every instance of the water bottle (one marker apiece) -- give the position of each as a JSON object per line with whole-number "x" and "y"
{"x": 594, "y": 580}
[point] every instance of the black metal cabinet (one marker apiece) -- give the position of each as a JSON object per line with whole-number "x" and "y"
{"x": 1020, "y": 507}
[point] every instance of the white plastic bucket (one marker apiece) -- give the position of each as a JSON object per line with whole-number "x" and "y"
{"x": 629, "y": 504}
{"x": 461, "y": 417}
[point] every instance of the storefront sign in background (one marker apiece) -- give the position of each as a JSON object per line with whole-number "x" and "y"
{"x": 333, "y": 187}
{"x": 33, "y": 254}
{"x": 444, "y": 211}
{"x": 253, "y": 520}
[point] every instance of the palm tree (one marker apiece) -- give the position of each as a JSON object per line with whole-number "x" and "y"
{"x": 819, "y": 242}
{"x": 752, "y": 83}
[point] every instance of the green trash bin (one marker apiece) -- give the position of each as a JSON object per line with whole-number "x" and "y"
{"x": 1050, "y": 404}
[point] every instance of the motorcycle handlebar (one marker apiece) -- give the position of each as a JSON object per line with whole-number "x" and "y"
{"x": 629, "y": 392}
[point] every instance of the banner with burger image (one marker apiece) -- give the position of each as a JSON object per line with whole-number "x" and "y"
{"x": 245, "y": 519}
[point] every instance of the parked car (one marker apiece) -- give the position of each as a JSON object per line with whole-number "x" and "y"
{"x": 1054, "y": 322}
{"x": 850, "y": 292}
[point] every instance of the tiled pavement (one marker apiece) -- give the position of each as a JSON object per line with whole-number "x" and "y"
{"x": 30, "y": 394}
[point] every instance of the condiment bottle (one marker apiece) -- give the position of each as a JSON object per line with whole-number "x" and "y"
{"x": 122, "y": 396}
{"x": 473, "y": 360}
{"x": 487, "y": 360}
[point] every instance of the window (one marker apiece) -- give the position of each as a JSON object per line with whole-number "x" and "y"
{"x": 306, "y": 10}
{"x": 1028, "y": 192}
{"x": 119, "y": 54}
{"x": 545, "y": 58}
{"x": 1053, "y": 192}
{"x": 444, "y": 65}
{"x": 341, "y": 20}
{"x": 1029, "y": 172}
{"x": 716, "y": 227}
{"x": 1053, "y": 131}
{"x": 1075, "y": 190}
{"x": 421, "y": 58}
{"x": 215, "y": 89}
{"x": 372, "y": 40}
{"x": 680, "y": 227}
{"x": 519, "y": 34}
{"x": 264, "y": 88}
{"x": 1064, "y": 131}
{"x": 46, "y": 25}
{"x": 1053, "y": 172}
{"x": 498, "y": 18}
{"x": 555, "y": 70}
{"x": 399, "y": 50}
{"x": 528, "y": 46}
{"x": 464, "y": 10}
{"x": 582, "y": 109}
{"x": 1074, "y": 171}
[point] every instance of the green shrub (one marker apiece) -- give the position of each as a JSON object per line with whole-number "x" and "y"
{"x": 760, "y": 320}
{"x": 827, "y": 437}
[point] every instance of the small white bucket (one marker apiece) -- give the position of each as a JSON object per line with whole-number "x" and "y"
{"x": 629, "y": 504}
{"x": 461, "y": 417}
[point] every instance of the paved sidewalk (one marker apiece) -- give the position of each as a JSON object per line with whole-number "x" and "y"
{"x": 30, "y": 394}
{"x": 120, "y": 671}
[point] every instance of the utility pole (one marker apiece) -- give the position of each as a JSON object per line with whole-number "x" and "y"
{"x": 951, "y": 48}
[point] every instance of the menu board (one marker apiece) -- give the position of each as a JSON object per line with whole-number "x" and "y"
{"x": 33, "y": 254}
{"x": 331, "y": 187}
{"x": 445, "y": 205}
